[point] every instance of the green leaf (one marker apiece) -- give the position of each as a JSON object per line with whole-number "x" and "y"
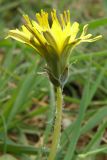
{"x": 96, "y": 23}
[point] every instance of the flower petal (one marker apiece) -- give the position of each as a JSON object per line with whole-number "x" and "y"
{"x": 19, "y": 36}
{"x": 85, "y": 28}
{"x": 50, "y": 39}
{"x": 43, "y": 20}
{"x": 36, "y": 34}
{"x": 92, "y": 39}
{"x": 74, "y": 31}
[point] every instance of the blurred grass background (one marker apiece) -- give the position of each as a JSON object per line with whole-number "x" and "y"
{"x": 27, "y": 98}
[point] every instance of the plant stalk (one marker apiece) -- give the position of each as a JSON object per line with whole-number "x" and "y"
{"x": 57, "y": 125}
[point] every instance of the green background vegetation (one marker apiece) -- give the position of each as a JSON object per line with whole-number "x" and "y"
{"x": 27, "y": 98}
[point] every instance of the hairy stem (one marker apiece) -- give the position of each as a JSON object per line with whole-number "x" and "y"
{"x": 57, "y": 125}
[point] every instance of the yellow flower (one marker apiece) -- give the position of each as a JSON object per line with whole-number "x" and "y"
{"x": 52, "y": 40}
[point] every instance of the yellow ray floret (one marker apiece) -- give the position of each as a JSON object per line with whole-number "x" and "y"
{"x": 57, "y": 35}
{"x": 53, "y": 38}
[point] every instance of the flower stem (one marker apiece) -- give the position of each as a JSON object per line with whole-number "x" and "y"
{"x": 57, "y": 125}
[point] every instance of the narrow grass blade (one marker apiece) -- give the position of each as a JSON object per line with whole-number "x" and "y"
{"x": 97, "y": 23}
{"x": 94, "y": 120}
{"x": 86, "y": 99}
{"x": 76, "y": 131}
{"x": 94, "y": 152}
{"x": 82, "y": 56}
{"x": 16, "y": 148}
{"x": 50, "y": 115}
{"x": 94, "y": 143}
